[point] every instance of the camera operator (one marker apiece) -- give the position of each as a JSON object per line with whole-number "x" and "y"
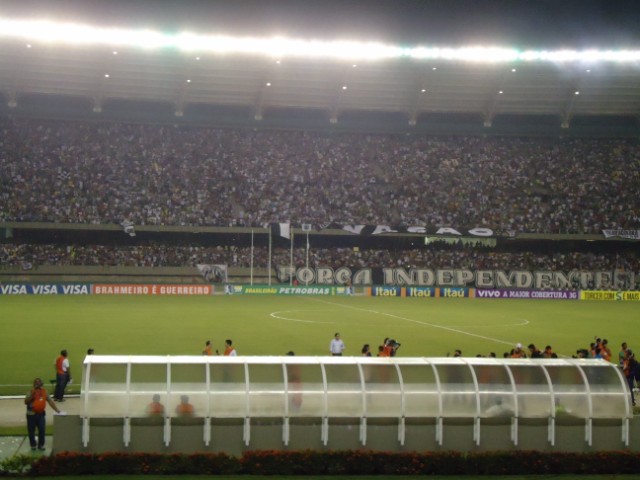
{"x": 390, "y": 347}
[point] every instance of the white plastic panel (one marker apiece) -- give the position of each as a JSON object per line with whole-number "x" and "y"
{"x": 383, "y": 394}
{"x": 267, "y": 396}
{"x": 533, "y": 390}
{"x": 344, "y": 390}
{"x": 228, "y": 390}
{"x": 570, "y": 391}
{"x": 496, "y": 391}
{"x": 421, "y": 391}
{"x": 457, "y": 389}
{"x": 306, "y": 390}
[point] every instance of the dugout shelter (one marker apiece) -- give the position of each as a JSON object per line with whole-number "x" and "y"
{"x": 391, "y": 404}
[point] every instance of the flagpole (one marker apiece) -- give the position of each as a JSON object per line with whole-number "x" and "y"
{"x": 307, "y": 282}
{"x": 269, "y": 261}
{"x": 252, "y": 256}
{"x": 291, "y": 262}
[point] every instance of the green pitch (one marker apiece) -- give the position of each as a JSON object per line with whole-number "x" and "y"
{"x": 35, "y": 328}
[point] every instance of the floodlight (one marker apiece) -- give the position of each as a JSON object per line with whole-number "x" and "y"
{"x": 280, "y": 47}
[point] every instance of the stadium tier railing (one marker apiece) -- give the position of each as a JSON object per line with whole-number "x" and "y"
{"x": 363, "y": 389}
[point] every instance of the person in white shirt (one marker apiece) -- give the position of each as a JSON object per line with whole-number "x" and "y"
{"x": 229, "y": 350}
{"x": 336, "y": 347}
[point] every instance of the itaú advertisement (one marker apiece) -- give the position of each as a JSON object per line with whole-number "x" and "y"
{"x": 149, "y": 289}
{"x": 422, "y": 292}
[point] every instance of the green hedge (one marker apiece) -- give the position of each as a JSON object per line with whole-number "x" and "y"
{"x": 326, "y": 463}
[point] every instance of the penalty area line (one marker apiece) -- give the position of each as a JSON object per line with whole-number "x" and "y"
{"x": 278, "y": 316}
{"x": 426, "y": 324}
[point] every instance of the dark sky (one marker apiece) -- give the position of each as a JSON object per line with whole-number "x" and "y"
{"x": 514, "y": 23}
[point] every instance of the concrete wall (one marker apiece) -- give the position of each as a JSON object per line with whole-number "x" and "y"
{"x": 226, "y": 435}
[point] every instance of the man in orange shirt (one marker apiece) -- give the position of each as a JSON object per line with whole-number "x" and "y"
{"x": 184, "y": 408}
{"x": 155, "y": 408}
{"x": 208, "y": 349}
{"x": 229, "y": 351}
{"x": 36, "y": 402}
{"x": 63, "y": 376}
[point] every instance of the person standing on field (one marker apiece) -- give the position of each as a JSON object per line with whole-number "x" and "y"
{"x": 336, "y": 346}
{"x": 36, "y": 402}
{"x": 622, "y": 354}
{"x": 208, "y": 349}
{"x": 63, "y": 376}
{"x": 229, "y": 350}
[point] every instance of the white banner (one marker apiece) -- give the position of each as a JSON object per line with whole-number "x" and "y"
{"x": 213, "y": 273}
{"x": 622, "y": 233}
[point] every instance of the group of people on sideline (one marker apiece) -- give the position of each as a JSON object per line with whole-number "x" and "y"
{"x": 229, "y": 349}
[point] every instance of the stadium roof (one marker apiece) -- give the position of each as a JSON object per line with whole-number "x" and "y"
{"x": 260, "y": 84}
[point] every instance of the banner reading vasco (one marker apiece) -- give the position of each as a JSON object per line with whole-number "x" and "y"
{"x": 284, "y": 229}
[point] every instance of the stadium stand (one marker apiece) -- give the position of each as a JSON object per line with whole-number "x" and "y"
{"x": 109, "y": 172}
{"x": 30, "y": 256}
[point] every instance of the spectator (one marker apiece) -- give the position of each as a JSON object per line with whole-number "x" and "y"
{"x": 106, "y": 173}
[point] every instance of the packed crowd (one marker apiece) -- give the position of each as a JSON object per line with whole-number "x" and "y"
{"x": 167, "y": 175}
{"x": 18, "y": 255}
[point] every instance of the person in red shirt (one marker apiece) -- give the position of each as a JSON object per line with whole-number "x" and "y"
{"x": 184, "y": 408}
{"x": 229, "y": 351}
{"x": 63, "y": 376}
{"x": 155, "y": 408}
{"x": 36, "y": 402}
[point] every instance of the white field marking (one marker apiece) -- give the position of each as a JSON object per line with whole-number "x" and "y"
{"x": 521, "y": 323}
{"x": 426, "y": 324}
{"x": 279, "y": 316}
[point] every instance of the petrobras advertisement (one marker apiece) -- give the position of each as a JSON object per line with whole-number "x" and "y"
{"x": 616, "y": 296}
{"x": 45, "y": 289}
{"x": 286, "y": 290}
{"x": 528, "y": 294}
